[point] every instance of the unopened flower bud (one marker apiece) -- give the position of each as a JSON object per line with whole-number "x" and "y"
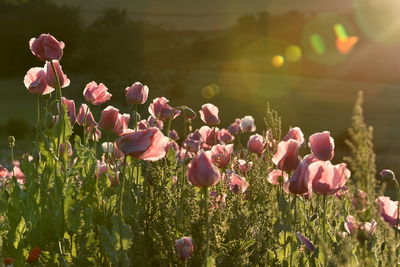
{"x": 387, "y": 174}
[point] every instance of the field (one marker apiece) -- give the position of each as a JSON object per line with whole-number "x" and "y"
{"x": 313, "y": 103}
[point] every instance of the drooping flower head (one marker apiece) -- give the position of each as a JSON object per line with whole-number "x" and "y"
{"x": 51, "y": 78}
{"x": 35, "y": 82}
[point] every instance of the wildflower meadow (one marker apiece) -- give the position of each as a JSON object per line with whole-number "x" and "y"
{"x": 102, "y": 186}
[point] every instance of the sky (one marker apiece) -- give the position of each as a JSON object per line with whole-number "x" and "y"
{"x": 203, "y": 14}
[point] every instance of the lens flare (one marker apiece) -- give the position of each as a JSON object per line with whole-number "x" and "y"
{"x": 207, "y": 92}
{"x": 216, "y": 88}
{"x": 319, "y": 37}
{"x": 293, "y": 53}
{"x": 317, "y": 43}
{"x": 340, "y": 31}
{"x": 346, "y": 45}
{"x": 379, "y": 20}
{"x": 278, "y": 61}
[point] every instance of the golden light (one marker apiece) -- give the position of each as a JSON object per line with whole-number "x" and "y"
{"x": 278, "y": 61}
{"x": 293, "y": 53}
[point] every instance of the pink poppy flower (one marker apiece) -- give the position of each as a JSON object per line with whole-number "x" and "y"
{"x": 362, "y": 230}
{"x": 96, "y": 94}
{"x": 101, "y": 168}
{"x": 143, "y": 124}
{"x": 3, "y": 172}
{"x": 287, "y": 156}
{"x": 136, "y": 94}
{"x": 295, "y": 134}
{"x": 108, "y": 118}
{"x": 153, "y": 122}
{"x": 237, "y": 184}
{"x": 221, "y": 155}
{"x": 35, "y": 82}
{"x": 209, "y": 136}
{"x": 149, "y": 144}
{"x": 51, "y": 77}
{"x": 322, "y": 145}
{"x": 173, "y": 134}
{"x": 184, "y": 248}
{"x": 161, "y": 110}
{"x": 247, "y": 124}
{"x": 209, "y": 114}
{"x": 300, "y": 181}
{"x": 225, "y": 137}
{"x": 244, "y": 166}
{"x": 388, "y": 210}
{"x": 326, "y": 178}
{"x": 71, "y": 110}
{"x": 256, "y": 144}
{"x": 235, "y": 127}
{"x": 122, "y": 124}
{"x": 85, "y": 117}
{"x": 192, "y": 142}
{"x": 46, "y": 47}
{"x": 202, "y": 172}
{"x": 276, "y": 175}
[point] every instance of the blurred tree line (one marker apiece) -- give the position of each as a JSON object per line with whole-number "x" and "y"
{"x": 116, "y": 48}
{"x": 115, "y": 45}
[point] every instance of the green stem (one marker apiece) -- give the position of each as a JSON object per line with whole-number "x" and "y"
{"x": 185, "y": 122}
{"x": 135, "y": 117}
{"x": 294, "y": 227}
{"x": 324, "y": 224}
{"x": 205, "y": 192}
{"x": 120, "y": 209}
{"x": 61, "y": 111}
{"x": 168, "y": 127}
{"x": 38, "y": 118}
{"x": 85, "y": 129}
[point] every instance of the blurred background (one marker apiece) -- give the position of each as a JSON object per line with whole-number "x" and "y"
{"x": 307, "y": 58}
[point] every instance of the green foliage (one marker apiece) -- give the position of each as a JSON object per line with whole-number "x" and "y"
{"x": 133, "y": 212}
{"x": 362, "y": 160}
